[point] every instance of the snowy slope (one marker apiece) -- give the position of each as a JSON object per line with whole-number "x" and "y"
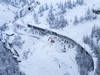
{"x": 41, "y": 50}
{"x": 49, "y": 48}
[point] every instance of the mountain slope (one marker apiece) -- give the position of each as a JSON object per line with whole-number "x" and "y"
{"x": 49, "y": 53}
{"x": 36, "y": 33}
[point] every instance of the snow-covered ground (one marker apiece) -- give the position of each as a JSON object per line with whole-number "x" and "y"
{"x": 38, "y": 55}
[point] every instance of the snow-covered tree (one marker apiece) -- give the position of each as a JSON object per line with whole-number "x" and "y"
{"x": 51, "y": 16}
{"x": 59, "y": 22}
{"x": 69, "y": 4}
{"x": 89, "y": 15}
{"x": 3, "y": 27}
{"x": 41, "y": 9}
{"x": 62, "y": 22}
{"x": 35, "y": 17}
{"x": 46, "y": 6}
{"x": 63, "y": 9}
{"x": 93, "y": 41}
{"x": 75, "y": 21}
{"x": 80, "y": 2}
